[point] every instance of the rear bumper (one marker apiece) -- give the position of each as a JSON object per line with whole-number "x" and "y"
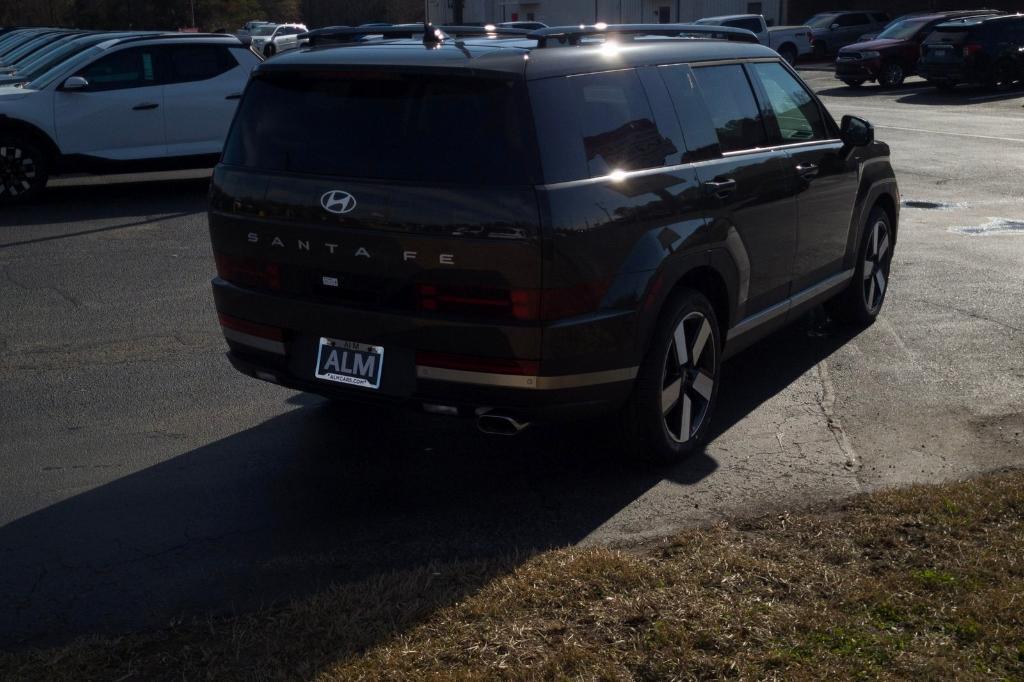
{"x": 946, "y": 73}
{"x": 859, "y": 70}
{"x": 549, "y": 395}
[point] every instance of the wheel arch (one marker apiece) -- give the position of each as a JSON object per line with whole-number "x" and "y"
{"x": 711, "y": 273}
{"x": 887, "y": 203}
{"x": 878, "y": 188}
{"x": 34, "y": 133}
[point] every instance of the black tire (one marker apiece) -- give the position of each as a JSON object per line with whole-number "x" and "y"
{"x": 788, "y": 52}
{"x": 892, "y": 75}
{"x": 652, "y": 424}
{"x": 853, "y": 83}
{"x": 945, "y": 86}
{"x": 269, "y": 50}
{"x": 24, "y": 169}
{"x": 861, "y": 302}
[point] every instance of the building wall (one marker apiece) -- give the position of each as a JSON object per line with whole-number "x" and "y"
{"x": 571, "y": 12}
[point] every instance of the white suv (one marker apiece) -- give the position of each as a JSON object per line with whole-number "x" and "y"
{"x": 128, "y": 104}
{"x": 269, "y": 40}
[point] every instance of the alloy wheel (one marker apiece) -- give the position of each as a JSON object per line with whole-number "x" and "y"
{"x": 17, "y": 171}
{"x": 892, "y": 76}
{"x": 876, "y": 266}
{"x": 688, "y": 379}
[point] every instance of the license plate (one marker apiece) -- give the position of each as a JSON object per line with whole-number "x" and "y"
{"x": 348, "y": 362}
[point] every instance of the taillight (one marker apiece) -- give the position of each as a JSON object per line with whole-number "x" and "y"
{"x": 513, "y": 304}
{"x": 472, "y": 363}
{"x": 248, "y": 272}
{"x": 971, "y": 49}
{"x": 474, "y": 301}
{"x": 262, "y": 331}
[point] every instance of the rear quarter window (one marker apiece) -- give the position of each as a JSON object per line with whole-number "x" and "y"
{"x": 594, "y": 124}
{"x": 386, "y": 126}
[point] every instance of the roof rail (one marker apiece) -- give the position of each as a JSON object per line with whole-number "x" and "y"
{"x": 347, "y": 34}
{"x": 574, "y": 35}
{"x": 137, "y": 36}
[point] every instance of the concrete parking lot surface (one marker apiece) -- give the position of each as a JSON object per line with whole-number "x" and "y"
{"x": 144, "y": 480}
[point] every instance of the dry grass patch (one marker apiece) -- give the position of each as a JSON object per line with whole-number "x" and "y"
{"x": 924, "y": 582}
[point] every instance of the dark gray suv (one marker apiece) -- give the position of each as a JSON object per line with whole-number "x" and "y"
{"x": 517, "y": 227}
{"x": 833, "y": 30}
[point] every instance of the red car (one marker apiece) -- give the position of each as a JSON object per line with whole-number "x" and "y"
{"x": 892, "y": 56}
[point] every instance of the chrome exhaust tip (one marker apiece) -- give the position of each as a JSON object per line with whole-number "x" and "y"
{"x": 500, "y": 424}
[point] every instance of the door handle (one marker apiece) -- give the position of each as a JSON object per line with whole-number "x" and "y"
{"x": 807, "y": 170}
{"x": 145, "y": 106}
{"x": 234, "y": 95}
{"x": 720, "y": 188}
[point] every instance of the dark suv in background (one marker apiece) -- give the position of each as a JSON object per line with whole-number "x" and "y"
{"x": 985, "y": 50}
{"x": 833, "y": 30}
{"x": 892, "y": 55}
{"x": 516, "y": 227}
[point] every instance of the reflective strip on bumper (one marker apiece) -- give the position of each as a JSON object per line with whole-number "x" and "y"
{"x": 268, "y": 345}
{"x": 530, "y": 382}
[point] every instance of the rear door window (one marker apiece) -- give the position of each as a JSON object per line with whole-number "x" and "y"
{"x": 596, "y": 124}
{"x": 386, "y": 126}
{"x": 698, "y": 129}
{"x": 797, "y": 116}
{"x": 199, "y": 62}
{"x": 852, "y": 20}
{"x": 732, "y": 106}
{"x": 749, "y": 24}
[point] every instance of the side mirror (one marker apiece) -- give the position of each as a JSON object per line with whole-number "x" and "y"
{"x": 833, "y": 27}
{"x": 856, "y": 132}
{"x": 75, "y": 83}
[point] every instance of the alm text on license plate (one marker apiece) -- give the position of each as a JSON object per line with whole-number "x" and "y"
{"x": 348, "y": 362}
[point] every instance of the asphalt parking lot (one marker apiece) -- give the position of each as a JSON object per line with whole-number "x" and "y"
{"x": 144, "y": 480}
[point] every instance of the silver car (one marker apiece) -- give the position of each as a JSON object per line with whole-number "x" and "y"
{"x": 269, "y": 40}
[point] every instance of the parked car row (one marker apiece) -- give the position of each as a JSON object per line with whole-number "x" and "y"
{"x": 946, "y": 48}
{"x": 109, "y": 102}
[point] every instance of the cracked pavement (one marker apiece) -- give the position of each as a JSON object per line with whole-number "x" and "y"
{"x": 144, "y": 480}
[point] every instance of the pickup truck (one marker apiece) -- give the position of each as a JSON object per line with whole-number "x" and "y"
{"x": 789, "y": 41}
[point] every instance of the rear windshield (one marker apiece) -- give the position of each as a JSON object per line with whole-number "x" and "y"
{"x": 948, "y": 34}
{"x": 903, "y": 30}
{"x": 821, "y": 20}
{"x": 406, "y": 127}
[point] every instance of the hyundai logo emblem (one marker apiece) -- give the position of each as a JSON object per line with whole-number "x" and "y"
{"x": 337, "y": 201}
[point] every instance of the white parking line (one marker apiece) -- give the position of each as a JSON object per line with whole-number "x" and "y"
{"x": 944, "y": 132}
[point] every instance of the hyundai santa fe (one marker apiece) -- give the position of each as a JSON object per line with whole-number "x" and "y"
{"x": 523, "y": 227}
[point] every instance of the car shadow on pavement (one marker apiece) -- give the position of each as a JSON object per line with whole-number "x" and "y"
{"x": 869, "y": 90}
{"x": 961, "y": 96}
{"x": 335, "y": 494}
{"x": 108, "y": 200}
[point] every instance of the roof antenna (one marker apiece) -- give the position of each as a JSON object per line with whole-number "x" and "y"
{"x": 432, "y": 36}
{"x": 429, "y": 37}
